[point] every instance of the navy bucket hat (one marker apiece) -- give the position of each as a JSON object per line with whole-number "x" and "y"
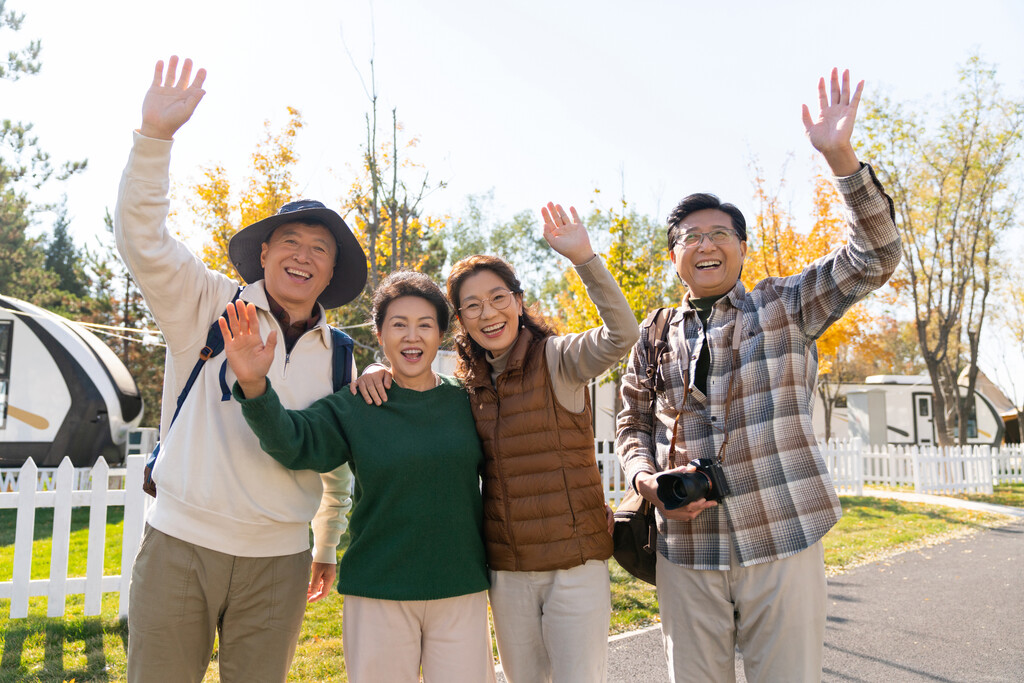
{"x": 349, "y": 266}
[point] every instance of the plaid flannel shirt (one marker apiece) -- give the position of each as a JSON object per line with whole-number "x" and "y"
{"x": 782, "y": 499}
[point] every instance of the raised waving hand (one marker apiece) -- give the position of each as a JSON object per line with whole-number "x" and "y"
{"x": 171, "y": 99}
{"x": 248, "y": 356}
{"x": 831, "y": 131}
{"x": 567, "y": 236}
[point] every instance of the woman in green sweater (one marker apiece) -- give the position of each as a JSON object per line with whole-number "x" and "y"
{"x": 414, "y": 575}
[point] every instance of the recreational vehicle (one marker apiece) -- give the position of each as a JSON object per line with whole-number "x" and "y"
{"x": 898, "y": 409}
{"x": 62, "y": 391}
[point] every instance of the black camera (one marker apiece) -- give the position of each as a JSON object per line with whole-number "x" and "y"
{"x": 676, "y": 489}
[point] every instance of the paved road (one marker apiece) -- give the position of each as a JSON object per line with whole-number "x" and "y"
{"x": 953, "y": 612}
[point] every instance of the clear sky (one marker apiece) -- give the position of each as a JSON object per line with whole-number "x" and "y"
{"x": 537, "y": 99}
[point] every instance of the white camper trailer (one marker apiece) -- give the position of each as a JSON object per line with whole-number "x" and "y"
{"x": 897, "y": 409}
{"x": 62, "y": 391}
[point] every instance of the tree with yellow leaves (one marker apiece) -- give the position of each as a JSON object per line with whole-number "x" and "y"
{"x": 638, "y": 260}
{"x": 953, "y": 173}
{"x": 383, "y": 208}
{"x": 219, "y": 215}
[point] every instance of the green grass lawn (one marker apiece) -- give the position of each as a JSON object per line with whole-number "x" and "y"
{"x": 1006, "y": 494}
{"x": 83, "y": 648}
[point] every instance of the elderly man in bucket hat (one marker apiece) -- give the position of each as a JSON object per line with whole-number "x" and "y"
{"x": 226, "y": 545}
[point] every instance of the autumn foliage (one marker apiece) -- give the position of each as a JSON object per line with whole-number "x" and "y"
{"x": 217, "y": 214}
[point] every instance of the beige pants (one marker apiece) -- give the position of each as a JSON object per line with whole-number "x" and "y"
{"x": 774, "y": 612}
{"x": 553, "y": 625}
{"x": 392, "y": 640}
{"x": 181, "y": 595}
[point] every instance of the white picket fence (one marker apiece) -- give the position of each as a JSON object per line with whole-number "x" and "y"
{"x": 932, "y": 470}
{"x": 62, "y": 489}
{"x": 929, "y": 469}
{"x": 940, "y": 470}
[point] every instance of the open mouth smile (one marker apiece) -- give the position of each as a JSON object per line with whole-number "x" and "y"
{"x": 493, "y": 330}
{"x": 705, "y": 265}
{"x": 412, "y": 355}
{"x": 296, "y": 273}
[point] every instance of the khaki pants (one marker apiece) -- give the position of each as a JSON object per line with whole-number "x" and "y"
{"x": 553, "y": 625}
{"x": 181, "y": 595}
{"x": 391, "y": 640}
{"x": 774, "y": 612}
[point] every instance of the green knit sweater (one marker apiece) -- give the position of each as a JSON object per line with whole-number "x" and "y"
{"x": 416, "y": 527}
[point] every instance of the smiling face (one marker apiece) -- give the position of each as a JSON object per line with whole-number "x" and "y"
{"x": 409, "y": 336}
{"x": 495, "y": 329}
{"x": 298, "y": 263}
{"x": 708, "y": 269}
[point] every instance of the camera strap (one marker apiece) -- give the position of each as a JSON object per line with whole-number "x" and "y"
{"x": 737, "y": 339}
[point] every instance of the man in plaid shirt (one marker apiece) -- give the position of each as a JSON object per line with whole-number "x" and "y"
{"x": 750, "y": 571}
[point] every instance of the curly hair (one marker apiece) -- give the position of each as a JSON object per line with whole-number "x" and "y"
{"x": 470, "y": 356}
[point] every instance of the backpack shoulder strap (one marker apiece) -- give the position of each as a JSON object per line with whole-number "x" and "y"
{"x": 342, "y": 347}
{"x": 656, "y": 326}
{"x": 214, "y": 345}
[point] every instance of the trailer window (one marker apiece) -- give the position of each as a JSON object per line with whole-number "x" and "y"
{"x": 922, "y": 406}
{"x": 6, "y": 329}
{"x": 972, "y": 419}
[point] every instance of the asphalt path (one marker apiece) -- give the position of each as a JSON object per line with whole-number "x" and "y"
{"x": 951, "y": 612}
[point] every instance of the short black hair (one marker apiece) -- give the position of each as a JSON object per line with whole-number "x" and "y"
{"x": 408, "y": 283}
{"x": 698, "y": 202}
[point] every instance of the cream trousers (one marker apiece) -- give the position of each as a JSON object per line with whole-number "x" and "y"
{"x": 393, "y": 640}
{"x": 552, "y": 626}
{"x": 774, "y": 612}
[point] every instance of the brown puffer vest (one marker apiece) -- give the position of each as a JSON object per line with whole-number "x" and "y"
{"x": 543, "y": 499}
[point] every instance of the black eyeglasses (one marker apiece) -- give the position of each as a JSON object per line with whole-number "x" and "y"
{"x": 498, "y": 301}
{"x": 718, "y": 236}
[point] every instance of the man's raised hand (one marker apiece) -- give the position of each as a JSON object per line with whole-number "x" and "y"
{"x": 831, "y": 132}
{"x": 169, "y": 104}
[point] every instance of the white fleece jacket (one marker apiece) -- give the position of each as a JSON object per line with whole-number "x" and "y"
{"x": 216, "y": 487}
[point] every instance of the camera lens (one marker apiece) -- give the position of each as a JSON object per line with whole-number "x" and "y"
{"x": 676, "y": 490}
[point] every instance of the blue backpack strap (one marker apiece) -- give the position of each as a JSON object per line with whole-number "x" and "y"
{"x": 342, "y": 346}
{"x": 214, "y": 345}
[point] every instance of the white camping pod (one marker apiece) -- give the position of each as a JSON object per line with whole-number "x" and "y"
{"x": 897, "y": 409}
{"x": 62, "y": 391}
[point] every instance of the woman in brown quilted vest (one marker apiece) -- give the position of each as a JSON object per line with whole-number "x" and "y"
{"x": 546, "y": 525}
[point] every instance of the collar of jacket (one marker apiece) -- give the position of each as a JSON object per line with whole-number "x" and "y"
{"x": 516, "y": 358}
{"x": 256, "y": 294}
{"x": 735, "y": 296}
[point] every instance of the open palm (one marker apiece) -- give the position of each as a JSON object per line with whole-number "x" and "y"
{"x": 832, "y": 129}
{"x": 568, "y": 236}
{"x": 169, "y": 104}
{"x": 249, "y": 357}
